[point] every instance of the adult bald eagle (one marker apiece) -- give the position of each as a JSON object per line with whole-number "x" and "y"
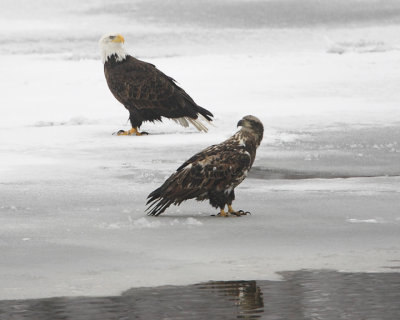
{"x": 213, "y": 173}
{"x": 145, "y": 91}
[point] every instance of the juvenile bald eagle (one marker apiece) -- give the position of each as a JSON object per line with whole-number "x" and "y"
{"x": 145, "y": 91}
{"x": 213, "y": 173}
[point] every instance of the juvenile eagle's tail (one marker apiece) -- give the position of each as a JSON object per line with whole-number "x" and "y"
{"x": 157, "y": 203}
{"x": 176, "y": 189}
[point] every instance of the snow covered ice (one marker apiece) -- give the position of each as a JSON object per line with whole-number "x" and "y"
{"x": 324, "y": 190}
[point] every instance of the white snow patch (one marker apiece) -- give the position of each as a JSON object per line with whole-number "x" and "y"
{"x": 150, "y": 223}
{"x": 364, "y": 220}
{"x": 146, "y": 223}
{"x": 75, "y": 121}
{"x": 188, "y": 222}
{"x": 141, "y": 223}
{"x": 359, "y": 46}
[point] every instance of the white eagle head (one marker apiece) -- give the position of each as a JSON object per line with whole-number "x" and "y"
{"x": 112, "y": 44}
{"x": 252, "y": 125}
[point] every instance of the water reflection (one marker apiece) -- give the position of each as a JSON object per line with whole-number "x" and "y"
{"x": 246, "y": 295}
{"x": 300, "y": 295}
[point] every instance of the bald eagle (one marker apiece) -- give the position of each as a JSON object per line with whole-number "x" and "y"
{"x": 213, "y": 173}
{"x": 145, "y": 91}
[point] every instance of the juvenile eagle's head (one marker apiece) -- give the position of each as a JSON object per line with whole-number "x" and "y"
{"x": 252, "y": 125}
{"x": 111, "y": 44}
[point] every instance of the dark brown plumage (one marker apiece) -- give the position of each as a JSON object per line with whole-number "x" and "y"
{"x": 145, "y": 91}
{"x": 212, "y": 173}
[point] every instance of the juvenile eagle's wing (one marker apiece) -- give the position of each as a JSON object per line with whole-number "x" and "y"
{"x": 218, "y": 167}
{"x": 141, "y": 85}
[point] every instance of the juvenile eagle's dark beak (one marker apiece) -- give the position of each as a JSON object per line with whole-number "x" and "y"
{"x": 240, "y": 123}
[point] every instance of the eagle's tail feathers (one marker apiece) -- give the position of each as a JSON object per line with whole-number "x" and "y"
{"x": 197, "y": 123}
{"x": 182, "y": 121}
{"x": 158, "y": 206}
{"x": 157, "y": 203}
{"x": 205, "y": 113}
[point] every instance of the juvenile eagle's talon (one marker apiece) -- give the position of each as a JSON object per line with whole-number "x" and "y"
{"x": 236, "y": 213}
{"x": 222, "y": 213}
{"x": 240, "y": 213}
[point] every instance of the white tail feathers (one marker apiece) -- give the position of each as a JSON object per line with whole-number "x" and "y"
{"x": 197, "y": 123}
{"x": 182, "y": 121}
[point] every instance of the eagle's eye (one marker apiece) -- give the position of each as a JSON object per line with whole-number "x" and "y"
{"x": 112, "y": 37}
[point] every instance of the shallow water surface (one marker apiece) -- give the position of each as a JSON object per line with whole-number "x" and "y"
{"x": 300, "y": 295}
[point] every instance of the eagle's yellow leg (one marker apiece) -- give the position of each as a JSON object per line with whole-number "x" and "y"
{"x": 131, "y": 132}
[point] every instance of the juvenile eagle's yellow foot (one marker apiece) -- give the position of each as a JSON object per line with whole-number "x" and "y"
{"x": 237, "y": 213}
{"x": 225, "y": 214}
{"x": 132, "y": 132}
{"x": 222, "y": 213}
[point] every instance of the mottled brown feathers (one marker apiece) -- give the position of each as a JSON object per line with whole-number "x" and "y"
{"x": 212, "y": 173}
{"x": 148, "y": 93}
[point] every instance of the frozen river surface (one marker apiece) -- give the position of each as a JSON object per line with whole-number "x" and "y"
{"x": 324, "y": 191}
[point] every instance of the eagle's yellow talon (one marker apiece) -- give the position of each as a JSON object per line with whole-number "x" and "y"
{"x": 120, "y": 133}
{"x": 131, "y": 132}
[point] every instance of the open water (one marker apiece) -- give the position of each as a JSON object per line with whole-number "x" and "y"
{"x": 301, "y": 295}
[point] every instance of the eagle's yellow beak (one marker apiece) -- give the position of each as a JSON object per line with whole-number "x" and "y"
{"x": 119, "y": 38}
